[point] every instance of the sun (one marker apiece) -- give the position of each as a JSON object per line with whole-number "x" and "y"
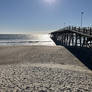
{"x": 50, "y": 1}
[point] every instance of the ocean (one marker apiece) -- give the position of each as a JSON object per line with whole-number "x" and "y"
{"x": 25, "y": 39}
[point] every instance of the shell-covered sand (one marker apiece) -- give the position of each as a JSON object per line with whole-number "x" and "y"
{"x": 42, "y": 69}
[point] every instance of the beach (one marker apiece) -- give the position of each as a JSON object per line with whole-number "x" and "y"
{"x": 42, "y": 69}
{"x": 45, "y": 46}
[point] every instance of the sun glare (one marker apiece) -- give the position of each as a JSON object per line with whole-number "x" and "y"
{"x": 50, "y": 1}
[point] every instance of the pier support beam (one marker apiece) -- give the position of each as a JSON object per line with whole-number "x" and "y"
{"x": 73, "y": 36}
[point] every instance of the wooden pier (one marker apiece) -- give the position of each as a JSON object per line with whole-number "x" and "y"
{"x": 73, "y": 36}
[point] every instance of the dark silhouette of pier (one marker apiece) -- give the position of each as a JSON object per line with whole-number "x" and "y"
{"x": 73, "y": 36}
{"x": 77, "y": 40}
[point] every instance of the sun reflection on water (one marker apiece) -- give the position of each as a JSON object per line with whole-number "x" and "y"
{"x": 44, "y": 37}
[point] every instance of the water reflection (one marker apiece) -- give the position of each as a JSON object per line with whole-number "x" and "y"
{"x": 26, "y": 39}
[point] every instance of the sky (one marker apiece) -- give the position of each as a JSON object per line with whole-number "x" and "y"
{"x": 43, "y": 16}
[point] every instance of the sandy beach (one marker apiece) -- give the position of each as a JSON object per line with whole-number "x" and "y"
{"x": 42, "y": 69}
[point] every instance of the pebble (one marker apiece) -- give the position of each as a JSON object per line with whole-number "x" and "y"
{"x": 18, "y": 78}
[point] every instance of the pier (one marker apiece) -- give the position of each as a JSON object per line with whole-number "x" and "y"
{"x": 73, "y": 36}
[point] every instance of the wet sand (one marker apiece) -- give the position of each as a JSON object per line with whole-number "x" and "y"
{"x": 42, "y": 69}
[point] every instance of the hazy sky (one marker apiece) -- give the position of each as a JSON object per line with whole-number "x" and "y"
{"x": 26, "y": 16}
